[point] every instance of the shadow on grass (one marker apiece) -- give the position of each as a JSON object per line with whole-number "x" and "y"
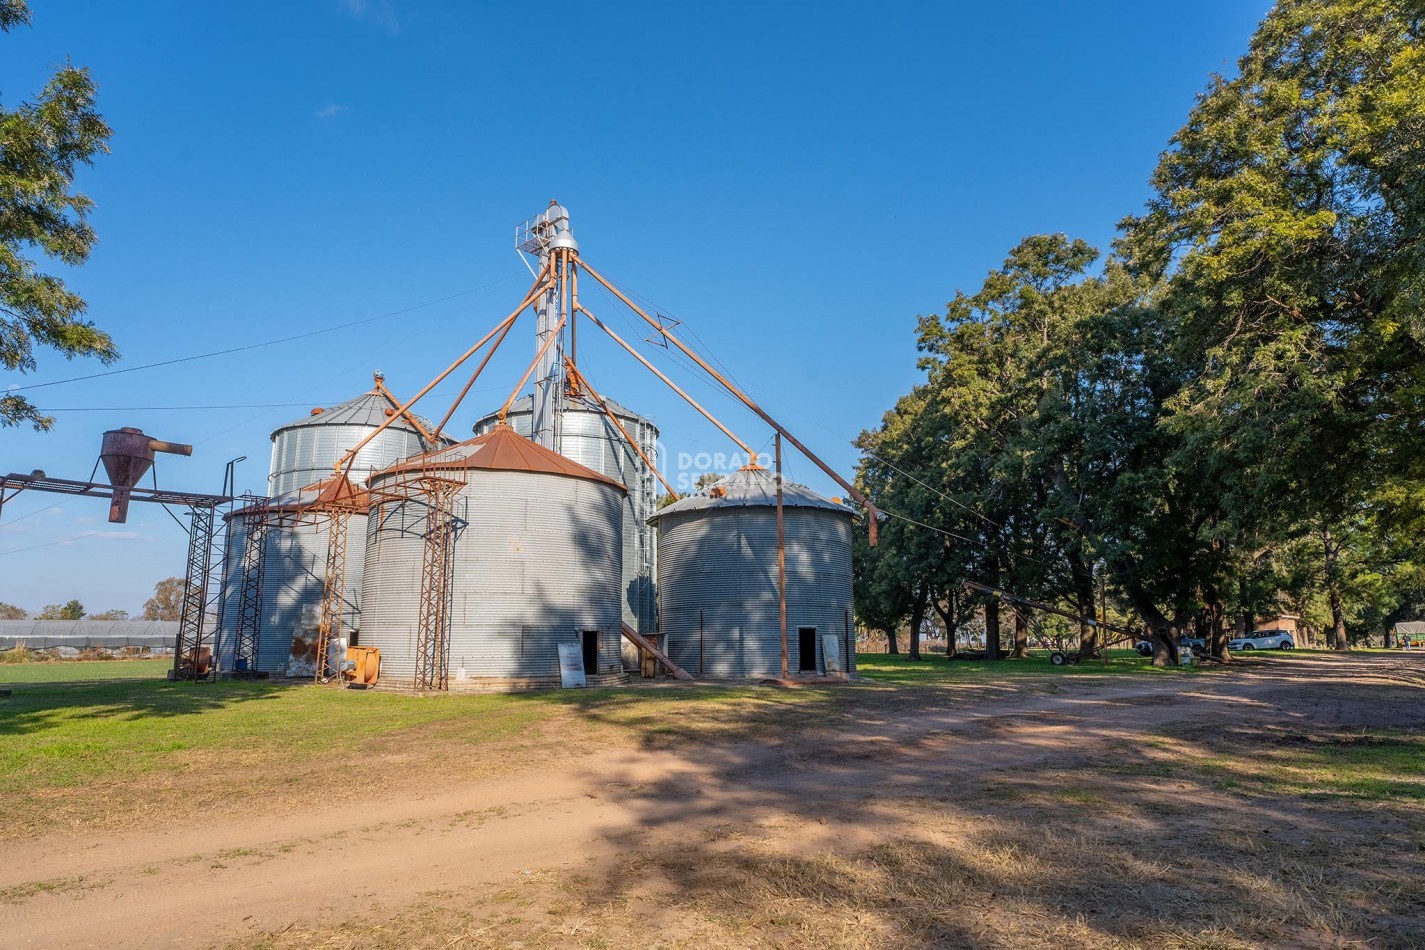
{"x": 40, "y": 706}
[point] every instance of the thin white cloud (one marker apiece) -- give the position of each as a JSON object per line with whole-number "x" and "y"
{"x": 330, "y": 110}
{"x": 380, "y": 13}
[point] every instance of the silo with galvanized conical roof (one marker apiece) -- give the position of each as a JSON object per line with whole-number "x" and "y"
{"x": 304, "y": 453}
{"x": 536, "y": 562}
{"x": 718, "y": 590}
{"x": 305, "y": 450}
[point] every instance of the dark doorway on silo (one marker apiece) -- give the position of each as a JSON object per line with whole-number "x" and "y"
{"x": 806, "y": 649}
{"x": 591, "y": 651}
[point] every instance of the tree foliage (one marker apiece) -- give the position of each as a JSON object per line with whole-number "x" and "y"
{"x": 1223, "y": 417}
{"x": 72, "y": 610}
{"x": 167, "y": 600}
{"x": 11, "y": 612}
{"x": 42, "y": 144}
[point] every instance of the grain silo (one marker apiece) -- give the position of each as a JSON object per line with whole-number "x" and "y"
{"x": 718, "y": 579}
{"x": 585, "y": 434}
{"x": 292, "y": 562}
{"x": 305, "y": 451}
{"x": 535, "y": 563}
{"x": 304, "y": 454}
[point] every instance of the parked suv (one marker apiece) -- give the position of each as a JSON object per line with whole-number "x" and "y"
{"x": 1263, "y": 640}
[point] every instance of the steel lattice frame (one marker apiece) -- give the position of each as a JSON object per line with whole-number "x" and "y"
{"x": 433, "y": 623}
{"x": 187, "y": 649}
{"x": 249, "y": 619}
{"x": 333, "y": 615}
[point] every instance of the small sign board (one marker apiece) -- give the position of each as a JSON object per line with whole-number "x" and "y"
{"x": 571, "y": 665}
{"x": 831, "y": 653}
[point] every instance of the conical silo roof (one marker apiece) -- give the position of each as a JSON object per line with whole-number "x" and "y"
{"x": 751, "y": 487}
{"x": 369, "y": 410}
{"x": 503, "y": 449}
{"x": 336, "y": 490}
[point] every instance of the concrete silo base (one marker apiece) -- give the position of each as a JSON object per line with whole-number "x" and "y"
{"x": 502, "y": 684}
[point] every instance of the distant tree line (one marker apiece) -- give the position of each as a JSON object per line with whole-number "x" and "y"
{"x": 165, "y": 604}
{"x": 1221, "y": 420}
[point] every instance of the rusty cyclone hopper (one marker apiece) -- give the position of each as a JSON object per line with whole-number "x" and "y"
{"x": 127, "y": 455}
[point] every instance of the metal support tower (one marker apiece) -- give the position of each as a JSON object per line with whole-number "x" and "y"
{"x": 433, "y": 622}
{"x": 332, "y": 621}
{"x": 249, "y": 619}
{"x": 189, "y": 659}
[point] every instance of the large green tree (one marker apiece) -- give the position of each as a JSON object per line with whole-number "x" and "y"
{"x": 895, "y": 582}
{"x": 42, "y": 144}
{"x": 1287, "y": 222}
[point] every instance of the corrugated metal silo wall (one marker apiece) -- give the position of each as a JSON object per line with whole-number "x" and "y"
{"x": 536, "y": 562}
{"x": 302, "y": 455}
{"x": 294, "y": 578}
{"x": 717, "y": 581}
{"x": 591, "y": 440}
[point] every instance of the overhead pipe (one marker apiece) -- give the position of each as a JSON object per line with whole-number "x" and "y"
{"x": 575, "y": 374}
{"x": 747, "y": 401}
{"x": 538, "y": 356}
{"x": 349, "y": 458}
{"x": 474, "y": 376}
{"x": 751, "y": 456}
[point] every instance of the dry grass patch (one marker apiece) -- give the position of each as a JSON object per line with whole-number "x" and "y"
{"x": 1144, "y": 851}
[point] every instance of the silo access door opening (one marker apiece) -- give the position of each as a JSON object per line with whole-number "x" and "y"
{"x": 591, "y": 651}
{"x": 806, "y": 649}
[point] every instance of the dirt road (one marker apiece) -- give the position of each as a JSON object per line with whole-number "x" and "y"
{"x": 250, "y": 871}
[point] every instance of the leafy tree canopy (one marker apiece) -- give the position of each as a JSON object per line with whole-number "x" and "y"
{"x": 42, "y": 143}
{"x": 73, "y": 610}
{"x": 167, "y": 600}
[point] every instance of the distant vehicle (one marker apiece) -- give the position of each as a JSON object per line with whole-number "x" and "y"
{"x": 1186, "y": 644}
{"x": 1263, "y": 640}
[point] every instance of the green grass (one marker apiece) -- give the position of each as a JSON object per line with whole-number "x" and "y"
{"x": 70, "y": 671}
{"x": 934, "y": 668}
{"x": 56, "y": 736}
{"x": 263, "y": 737}
{"x": 139, "y": 741}
{"x": 1382, "y": 766}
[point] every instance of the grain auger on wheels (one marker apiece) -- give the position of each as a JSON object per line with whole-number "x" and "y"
{"x": 1066, "y": 657}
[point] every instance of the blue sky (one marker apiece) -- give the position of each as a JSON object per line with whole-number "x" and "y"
{"x": 797, "y": 182}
